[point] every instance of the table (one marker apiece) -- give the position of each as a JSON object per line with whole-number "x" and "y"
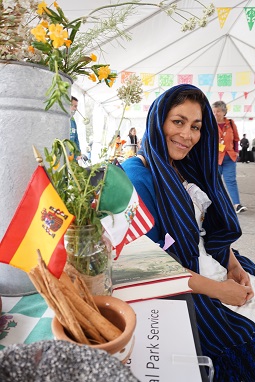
{"x": 25, "y": 319}
{"x": 28, "y": 319}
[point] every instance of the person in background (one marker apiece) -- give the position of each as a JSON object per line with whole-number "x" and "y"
{"x": 176, "y": 172}
{"x": 132, "y": 137}
{"x": 132, "y": 140}
{"x": 73, "y": 127}
{"x": 228, "y": 152}
{"x": 244, "y": 143}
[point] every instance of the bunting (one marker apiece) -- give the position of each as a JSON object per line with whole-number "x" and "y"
{"x": 185, "y": 79}
{"x": 166, "y": 80}
{"x": 222, "y": 15}
{"x": 250, "y": 16}
{"x": 224, "y": 79}
{"x": 243, "y": 78}
{"x": 148, "y": 79}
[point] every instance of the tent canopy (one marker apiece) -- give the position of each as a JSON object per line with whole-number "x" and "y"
{"x": 220, "y": 58}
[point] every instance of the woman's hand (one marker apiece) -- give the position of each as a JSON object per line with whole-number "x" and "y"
{"x": 234, "y": 293}
{"x": 240, "y": 276}
{"x": 229, "y": 292}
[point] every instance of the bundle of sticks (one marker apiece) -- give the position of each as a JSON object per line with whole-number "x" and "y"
{"x": 74, "y": 306}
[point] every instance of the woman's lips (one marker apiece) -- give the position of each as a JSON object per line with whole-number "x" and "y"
{"x": 182, "y": 146}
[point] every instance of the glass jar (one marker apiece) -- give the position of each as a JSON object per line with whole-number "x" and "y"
{"x": 90, "y": 256}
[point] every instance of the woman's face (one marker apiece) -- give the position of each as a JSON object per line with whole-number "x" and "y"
{"x": 133, "y": 131}
{"x": 182, "y": 129}
{"x": 219, "y": 114}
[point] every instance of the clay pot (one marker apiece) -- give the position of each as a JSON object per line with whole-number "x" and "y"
{"x": 121, "y": 315}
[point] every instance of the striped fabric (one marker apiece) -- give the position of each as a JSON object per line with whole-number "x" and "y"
{"x": 226, "y": 337}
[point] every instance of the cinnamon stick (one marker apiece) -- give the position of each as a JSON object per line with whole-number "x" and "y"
{"x": 104, "y": 326}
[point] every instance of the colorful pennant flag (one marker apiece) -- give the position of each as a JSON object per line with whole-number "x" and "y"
{"x": 233, "y": 95}
{"x": 222, "y": 15}
{"x": 247, "y": 108}
{"x": 185, "y": 79}
{"x": 166, "y": 80}
{"x": 148, "y": 79}
{"x": 243, "y": 78}
{"x": 125, "y": 75}
{"x": 129, "y": 218}
{"x": 224, "y": 79}
{"x": 39, "y": 222}
{"x": 205, "y": 79}
{"x": 250, "y": 16}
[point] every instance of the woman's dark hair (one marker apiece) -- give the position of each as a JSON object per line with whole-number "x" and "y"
{"x": 133, "y": 138}
{"x": 195, "y": 95}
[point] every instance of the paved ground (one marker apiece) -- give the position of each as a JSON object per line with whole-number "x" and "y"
{"x": 246, "y": 185}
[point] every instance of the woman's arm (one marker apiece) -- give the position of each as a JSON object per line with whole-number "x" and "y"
{"x": 229, "y": 291}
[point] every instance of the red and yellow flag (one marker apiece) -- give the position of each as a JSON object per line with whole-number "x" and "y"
{"x": 39, "y": 222}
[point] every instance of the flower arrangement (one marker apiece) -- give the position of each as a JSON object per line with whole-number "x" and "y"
{"x": 77, "y": 186}
{"x": 59, "y": 44}
{"x": 87, "y": 249}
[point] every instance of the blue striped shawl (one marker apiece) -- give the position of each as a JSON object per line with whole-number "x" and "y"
{"x": 174, "y": 205}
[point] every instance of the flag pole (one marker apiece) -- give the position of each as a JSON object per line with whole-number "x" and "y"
{"x": 38, "y": 156}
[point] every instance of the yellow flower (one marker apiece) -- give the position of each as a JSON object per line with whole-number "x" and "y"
{"x": 111, "y": 82}
{"x": 31, "y": 49}
{"x": 103, "y": 72}
{"x": 92, "y": 77}
{"x": 68, "y": 43}
{"x": 42, "y": 8}
{"x": 93, "y": 57}
{"x": 57, "y": 35}
{"x": 44, "y": 23}
{"x": 39, "y": 33}
{"x": 71, "y": 157}
{"x": 52, "y": 163}
{"x": 56, "y": 4}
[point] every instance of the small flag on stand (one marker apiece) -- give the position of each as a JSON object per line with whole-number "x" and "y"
{"x": 129, "y": 218}
{"x": 39, "y": 222}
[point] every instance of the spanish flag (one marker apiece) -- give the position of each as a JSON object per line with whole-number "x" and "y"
{"x": 39, "y": 222}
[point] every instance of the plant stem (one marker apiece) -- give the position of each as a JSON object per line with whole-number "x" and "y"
{"x": 114, "y": 6}
{"x": 68, "y": 164}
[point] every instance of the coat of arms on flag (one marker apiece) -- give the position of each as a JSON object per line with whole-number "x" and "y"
{"x": 40, "y": 222}
{"x": 125, "y": 215}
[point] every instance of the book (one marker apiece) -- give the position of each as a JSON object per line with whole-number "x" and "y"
{"x": 164, "y": 347}
{"x": 144, "y": 271}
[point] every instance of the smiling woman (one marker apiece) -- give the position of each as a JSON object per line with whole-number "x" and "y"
{"x": 177, "y": 174}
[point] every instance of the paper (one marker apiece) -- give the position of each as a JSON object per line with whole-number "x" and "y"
{"x": 163, "y": 332}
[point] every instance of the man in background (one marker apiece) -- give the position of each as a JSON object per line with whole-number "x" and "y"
{"x": 73, "y": 127}
{"x": 244, "y": 143}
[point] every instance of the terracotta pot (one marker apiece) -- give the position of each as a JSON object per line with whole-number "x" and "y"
{"x": 121, "y": 315}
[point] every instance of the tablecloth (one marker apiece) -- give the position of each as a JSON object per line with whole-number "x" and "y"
{"x": 25, "y": 319}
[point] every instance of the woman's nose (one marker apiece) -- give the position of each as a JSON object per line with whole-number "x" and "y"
{"x": 186, "y": 132}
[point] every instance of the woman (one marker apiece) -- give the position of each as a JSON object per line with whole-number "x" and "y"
{"x": 177, "y": 177}
{"x": 228, "y": 152}
{"x": 132, "y": 137}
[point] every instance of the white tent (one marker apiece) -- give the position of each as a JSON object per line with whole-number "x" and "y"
{"x": 220, "y": 58}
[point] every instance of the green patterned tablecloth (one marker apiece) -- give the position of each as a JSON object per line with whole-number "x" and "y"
{"x": 25, "y": 319}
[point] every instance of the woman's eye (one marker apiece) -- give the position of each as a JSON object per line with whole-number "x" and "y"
{"x": 177, "y": 122}
{"x": 196, "y": 127}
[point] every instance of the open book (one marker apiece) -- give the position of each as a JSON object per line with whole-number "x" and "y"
{"x": 144, "y": 271}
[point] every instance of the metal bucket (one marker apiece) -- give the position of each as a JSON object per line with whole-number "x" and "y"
{"x": 23, "y": 123}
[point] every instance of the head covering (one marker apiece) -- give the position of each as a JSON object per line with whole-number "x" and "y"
{"x": 175, "y": 208}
